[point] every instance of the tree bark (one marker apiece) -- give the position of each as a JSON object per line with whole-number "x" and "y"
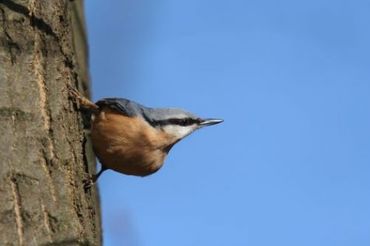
{"x": 45, "y": 153}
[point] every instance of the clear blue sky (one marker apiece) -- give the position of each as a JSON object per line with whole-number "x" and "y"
{"x": 291, "y": 163}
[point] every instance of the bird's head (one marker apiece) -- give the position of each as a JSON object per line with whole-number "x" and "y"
{"x": 178, "y": 123}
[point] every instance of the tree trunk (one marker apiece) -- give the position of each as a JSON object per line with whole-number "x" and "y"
{"x": 44, "y": 151}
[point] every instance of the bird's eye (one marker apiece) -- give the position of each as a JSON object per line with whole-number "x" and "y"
{"x": 187, "y": 122}
{"x": 182, "y": 122}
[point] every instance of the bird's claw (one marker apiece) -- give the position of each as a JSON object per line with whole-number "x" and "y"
{"x": 88, "y": 183}
{"x": 76, "y": 96}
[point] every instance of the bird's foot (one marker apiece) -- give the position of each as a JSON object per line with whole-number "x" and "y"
{"x": 88, "y": 183}
{"x": 77, "y": 98}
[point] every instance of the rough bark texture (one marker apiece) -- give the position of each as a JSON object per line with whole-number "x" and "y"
{"x": 44, "y": 151}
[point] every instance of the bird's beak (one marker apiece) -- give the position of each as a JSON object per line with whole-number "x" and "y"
{"x": 210, "y": 122}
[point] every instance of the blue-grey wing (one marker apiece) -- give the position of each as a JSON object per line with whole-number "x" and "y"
{"x": 121, "y": 105}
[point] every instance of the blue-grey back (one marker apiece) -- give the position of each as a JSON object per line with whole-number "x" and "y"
{"x": 134, "y": 109}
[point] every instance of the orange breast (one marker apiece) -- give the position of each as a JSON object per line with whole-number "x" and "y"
{"x": 128, "y": 145}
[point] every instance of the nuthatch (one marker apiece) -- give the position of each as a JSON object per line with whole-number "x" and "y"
{"x": 133, "y": 139}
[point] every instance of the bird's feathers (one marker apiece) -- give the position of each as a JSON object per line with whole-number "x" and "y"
{"x": 152, "y": 115}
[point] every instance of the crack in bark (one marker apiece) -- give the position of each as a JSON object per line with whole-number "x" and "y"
{"x": 17, "y": 210}
{"x": 39, "y": 70}
{"x": 42, "y": 26}
{"x": 17, "y": 114}
{"x": 37, "y": 22}
{"x": 46, "y": 222}
{"x": 40, "y": 79}
{"x": 44, "y": 164}
{"x": 75, "y": 199}
{"x": 84, "y": 156}
{"x": 11, "y": 45}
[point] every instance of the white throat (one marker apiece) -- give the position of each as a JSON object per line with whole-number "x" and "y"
{"x": 179, "y": 132}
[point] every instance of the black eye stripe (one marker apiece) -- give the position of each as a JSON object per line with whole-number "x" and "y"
{"x": 174, "y": 121}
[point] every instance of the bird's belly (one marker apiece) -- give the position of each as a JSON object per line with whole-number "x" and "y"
{"x": 121, "y": 144}
{"x": 117, "y": 159}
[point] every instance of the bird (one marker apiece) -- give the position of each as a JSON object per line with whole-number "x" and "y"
{"x": 133, "y": 139}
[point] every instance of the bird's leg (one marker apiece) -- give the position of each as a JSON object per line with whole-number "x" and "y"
{"x": 96, "y": 176}
{"x": 88, "y": 183}
{"x": 83, "y": 101}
